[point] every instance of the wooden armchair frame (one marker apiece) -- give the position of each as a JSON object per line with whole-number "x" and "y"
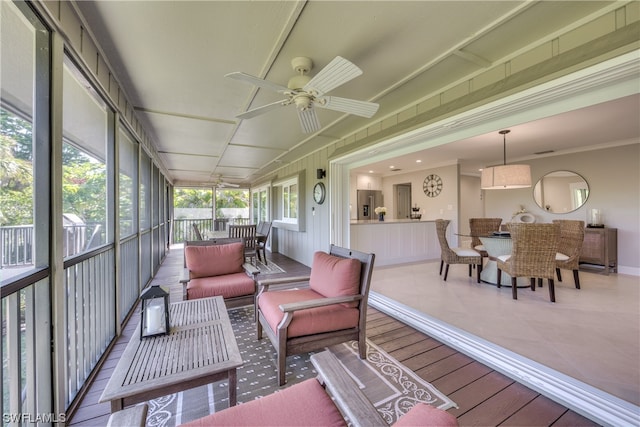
{"x": 250, "y": 269}
{"x": 286, "y": 345}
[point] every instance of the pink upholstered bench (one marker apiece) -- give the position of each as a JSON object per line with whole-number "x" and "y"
{"x": 217, "y": 268}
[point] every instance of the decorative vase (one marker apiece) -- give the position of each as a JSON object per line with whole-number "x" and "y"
{"x": 380, "y": 217}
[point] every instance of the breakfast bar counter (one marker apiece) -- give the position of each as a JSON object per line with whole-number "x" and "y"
{"x": 396, "y": 241}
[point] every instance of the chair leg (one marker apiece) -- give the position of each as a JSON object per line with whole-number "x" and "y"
{"x": 441, "y": 264}
{"x": 514, "y": 288}
{"x": 282, "y": 368}
{"x": 479, "y": 270}
{"x": 470, "y": 269}
{"x": 258, "y": 327}
{"x": 539, "y": 282}
{"x": 446, "y": 272}
{"x": 499, "y": 284}
{"x": 559, "y": 275}
{"x": 533, "y": 284}
{"x": 576, "y": 279}
{"x": 362, "y": 346}
{"x": 552, "y": 291}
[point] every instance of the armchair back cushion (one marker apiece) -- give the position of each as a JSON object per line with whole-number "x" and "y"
{"x": 214, "y": 260}
{"x": 333, "y": 276}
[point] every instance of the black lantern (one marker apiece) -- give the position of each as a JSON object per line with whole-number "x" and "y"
{"x": 155, "y": 312}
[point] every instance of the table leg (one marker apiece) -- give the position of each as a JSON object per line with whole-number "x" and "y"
{"x": 117, "y": 405}
{"x": 233, "y": 393}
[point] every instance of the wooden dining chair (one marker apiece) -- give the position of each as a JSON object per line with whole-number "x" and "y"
{"x": 248, "y": 233}
{"x": 482, "y": 227}
{"x": 196, "y": 231}
{"x": 451, "y": 255}
{"x": 569, "y": 247}
{"x": 261, "y": 241}
{"x": 533, "y": 256}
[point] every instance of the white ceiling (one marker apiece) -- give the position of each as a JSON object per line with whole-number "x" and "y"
{"x": 171, "y": 58}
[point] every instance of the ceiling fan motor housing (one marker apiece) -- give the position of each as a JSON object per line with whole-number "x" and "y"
{"x": 302, "y": 64}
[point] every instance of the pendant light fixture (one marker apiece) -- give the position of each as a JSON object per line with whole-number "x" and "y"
{"x": 506, "y": 176}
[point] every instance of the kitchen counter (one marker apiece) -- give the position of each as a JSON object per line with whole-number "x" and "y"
{"x": 396, "y": 241}
{"x": 386, "y": 221}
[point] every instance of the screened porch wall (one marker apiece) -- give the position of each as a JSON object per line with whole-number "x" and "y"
{"x": 95, "y": 288}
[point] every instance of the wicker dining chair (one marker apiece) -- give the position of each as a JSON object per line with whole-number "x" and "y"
{"x": 569, "y": 248}
{"x": 451, "y": 255}
{"x": 482, "y": 227}
{"x": 533, "y": 255}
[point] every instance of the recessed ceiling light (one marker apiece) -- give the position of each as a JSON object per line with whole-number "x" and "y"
{"x": 370, "y": 171}
{"x": 392, "y": 167}
{"x": 418, "y": 161}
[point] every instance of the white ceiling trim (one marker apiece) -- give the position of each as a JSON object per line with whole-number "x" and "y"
{"x": 603, "y": 82}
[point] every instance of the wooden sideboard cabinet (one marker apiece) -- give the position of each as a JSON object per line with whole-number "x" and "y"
{"x": 600, "y": 247}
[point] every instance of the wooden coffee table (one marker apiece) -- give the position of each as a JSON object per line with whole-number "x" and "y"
{"x": 200, "y": 349}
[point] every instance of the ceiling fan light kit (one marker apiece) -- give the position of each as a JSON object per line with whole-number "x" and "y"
{"x": 505, "y": 177}
{"x": 306, "y": 92}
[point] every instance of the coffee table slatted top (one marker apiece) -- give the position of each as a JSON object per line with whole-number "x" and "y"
{"x": 200, "y": 343}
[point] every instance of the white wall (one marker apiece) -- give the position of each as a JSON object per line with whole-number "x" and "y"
{"x": 613, "y": 175}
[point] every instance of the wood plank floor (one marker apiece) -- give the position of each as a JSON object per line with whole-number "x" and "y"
{"x": 484, "y": 397}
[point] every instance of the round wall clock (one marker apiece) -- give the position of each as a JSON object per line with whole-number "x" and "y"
{"x": 432, "y": 185}
{"x": 319, "y": 193}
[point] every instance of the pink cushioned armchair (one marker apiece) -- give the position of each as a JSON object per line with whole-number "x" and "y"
{"x": 328, "y": 307}
{"x": 217, "y": 268}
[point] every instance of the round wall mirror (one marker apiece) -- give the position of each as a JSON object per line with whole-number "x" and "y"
{"x": 561, "y": 192}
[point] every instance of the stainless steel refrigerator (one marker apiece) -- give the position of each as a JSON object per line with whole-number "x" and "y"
{"x": 368, "y": 200}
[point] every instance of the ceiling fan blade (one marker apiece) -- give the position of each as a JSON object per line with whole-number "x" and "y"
{"x": 261, "y": 110}
{"x": 228, "y": 184}
{"x": 308, "y": 120}
{"x": 336, "y": 73}
{"x": 257, "y": 81}
{"x": 350, "y": 106}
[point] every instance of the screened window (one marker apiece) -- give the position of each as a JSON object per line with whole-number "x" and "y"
{"x": 128, "y": 183}
{"x": 145, "y": 191}
{"x": 24, "y": 50}
{"x": 84, "y": 185}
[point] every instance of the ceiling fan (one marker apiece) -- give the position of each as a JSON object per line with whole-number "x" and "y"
{"x": 306, "y": 93}
{"x": 220, "y": 183}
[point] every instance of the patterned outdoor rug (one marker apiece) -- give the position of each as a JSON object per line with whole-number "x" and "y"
{"x": 270, "y": 268}
{"x": 391, "y": 387}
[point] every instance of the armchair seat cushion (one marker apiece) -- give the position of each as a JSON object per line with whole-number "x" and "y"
{"x": 310, "y": 321}
{"x": 465, "y": 252}
{"x": 304, "y": 404}
{"x": 227, "y": 286}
